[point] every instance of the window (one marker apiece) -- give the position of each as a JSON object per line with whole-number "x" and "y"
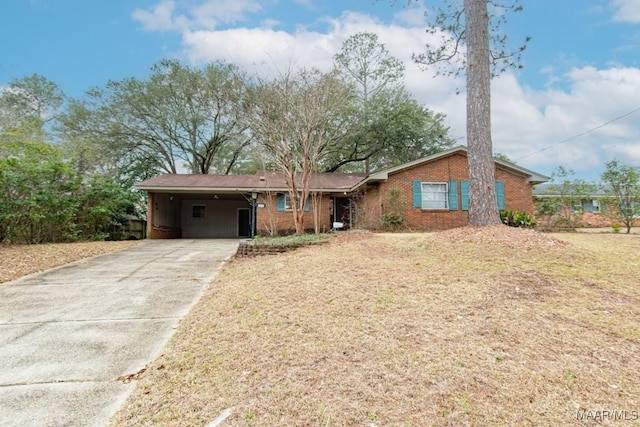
{"x": 435, "y": 195}
{"x": 590, "y": 205}
{"x": 287, "y": 202}
{"x": 197, "y": 211}
{"x": 284, "y": 203}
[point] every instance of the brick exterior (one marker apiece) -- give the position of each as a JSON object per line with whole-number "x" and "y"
{"x": 369, "y": 209}
{"x": 598, "y": 220}
{"x": 362, "y": 209}
{"x": 586, "y": 220}
{"x": 518, "y": 192}
{"x": 271, "y": 221}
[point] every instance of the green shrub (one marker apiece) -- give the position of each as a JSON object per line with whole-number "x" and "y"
{"x": 391, "y": 220}
{"x": 517, "y": 219}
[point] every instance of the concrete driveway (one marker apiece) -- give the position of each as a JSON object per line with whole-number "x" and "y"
{"x": 68, "y": 334}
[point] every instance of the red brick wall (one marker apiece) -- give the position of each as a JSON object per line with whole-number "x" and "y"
{"x": 598, "y": 219}
{"x": 518, "y": 196}
{"x": 588, "y": 220}
{"x": 369, "y": 209}
{"x": 518, "y": 193}
{"x": 268, "y": 217}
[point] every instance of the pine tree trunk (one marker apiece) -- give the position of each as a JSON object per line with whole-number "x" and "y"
{"x": 483, "y": 205}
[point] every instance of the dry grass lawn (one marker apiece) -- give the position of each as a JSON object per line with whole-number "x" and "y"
{"x": 408, "y": 330}
{"x": 20, "y": 260}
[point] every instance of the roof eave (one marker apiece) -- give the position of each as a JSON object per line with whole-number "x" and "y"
{"x": 196, "y": 190}
{"x": 533, "y": 178}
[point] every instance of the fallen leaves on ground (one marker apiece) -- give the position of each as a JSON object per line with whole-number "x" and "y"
{"x": 501, "y": 235}
{"x": 20, "y": 260}
{"x": 407, "y": 330}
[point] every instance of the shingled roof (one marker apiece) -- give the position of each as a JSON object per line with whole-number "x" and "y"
{"x": 322, "y": 182}
{"x": 261, "y": 181}
{"x": 532, "y": 177}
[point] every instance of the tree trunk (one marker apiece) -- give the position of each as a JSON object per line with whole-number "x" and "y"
{"x": 297, "y": 206}
{"x": 483, "y": 204}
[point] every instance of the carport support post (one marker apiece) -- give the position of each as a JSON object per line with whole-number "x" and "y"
{"x": 254, "y": 199}
{"x": 150, "y": 214}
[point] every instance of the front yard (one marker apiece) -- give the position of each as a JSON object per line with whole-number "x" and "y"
{"x": 498, "y": 328}
{"x": 20, "y": 260}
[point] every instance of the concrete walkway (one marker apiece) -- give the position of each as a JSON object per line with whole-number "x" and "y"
{"x": 68, "y": 334}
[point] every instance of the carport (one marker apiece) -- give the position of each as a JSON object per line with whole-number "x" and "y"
{"x": 199, "y": 215}
{"x": 197, "y": 206}
{"x": 236, "y": 206}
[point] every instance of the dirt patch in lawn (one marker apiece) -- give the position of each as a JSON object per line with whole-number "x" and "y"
{"x": 407, "y": 330}
{"x": 20, "y": 260}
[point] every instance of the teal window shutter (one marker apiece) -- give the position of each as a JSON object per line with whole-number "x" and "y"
{"x": 453, "y": 195}
{"x": 464, "y": 194}
{"x": 307, "y": 204}
{"x": 280, "y": 203}
{"x": 417, "y": 194}
{"x": 500, "y": 194}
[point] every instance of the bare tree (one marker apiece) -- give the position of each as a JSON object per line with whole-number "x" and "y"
{"x": 369, "y": 65}
{"x": 293, "y": 118}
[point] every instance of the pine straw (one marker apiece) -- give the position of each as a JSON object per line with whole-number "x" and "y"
{"x": 512, "y": 237}
{"x": 406, "y": 330}
{"x": 20, "y": 260}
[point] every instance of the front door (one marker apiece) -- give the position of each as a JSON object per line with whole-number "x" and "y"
{"x": 341, "y": 211}
{"x": 244, "y": 222}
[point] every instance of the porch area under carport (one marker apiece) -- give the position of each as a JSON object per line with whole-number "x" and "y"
{"x": 175, "y": 215}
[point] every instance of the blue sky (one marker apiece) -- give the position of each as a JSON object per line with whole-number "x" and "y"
{"x": 581, "y": 68}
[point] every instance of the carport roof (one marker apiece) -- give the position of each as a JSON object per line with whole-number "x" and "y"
{"x": 261, "y": 181}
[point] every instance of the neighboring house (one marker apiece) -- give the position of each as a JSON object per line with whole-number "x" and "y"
{"x": 593, "y": 210}
{"x": 432, "y": 193}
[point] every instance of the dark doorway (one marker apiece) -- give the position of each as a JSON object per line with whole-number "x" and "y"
{"x": 244, "y": 222}
{"x": 341, "y": 211}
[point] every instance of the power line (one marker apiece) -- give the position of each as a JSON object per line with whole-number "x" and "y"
{"x": 580, "y": 134}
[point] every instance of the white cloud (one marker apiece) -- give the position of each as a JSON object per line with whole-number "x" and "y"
{"x": 274, "y": 50}
{"x": 262, "y": 51}
{"x": 160, "y": 17}
{"x": 211, "y": 12}
{"x": 626, "y": 11}
{"x": 414, "y": 15}
{"x": 181, "y": 15}
{"x": 575, "y": 128}
{"x": 305, "y": 3}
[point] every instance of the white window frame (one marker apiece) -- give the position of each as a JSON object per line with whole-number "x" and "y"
{"x": 287, "y": 203}
{"x": 445, "y": 192}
